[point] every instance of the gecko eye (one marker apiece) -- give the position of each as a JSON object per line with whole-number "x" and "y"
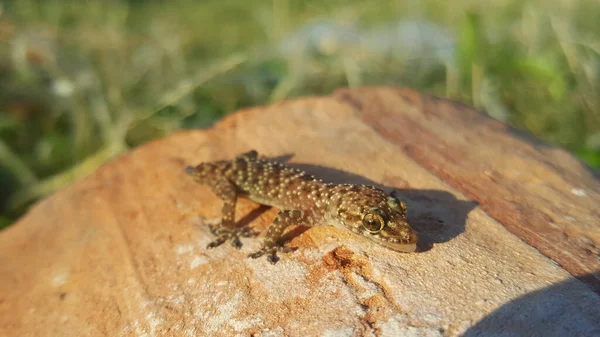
{"x": 373, "y": 223}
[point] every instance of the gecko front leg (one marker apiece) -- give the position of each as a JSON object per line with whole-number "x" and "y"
{"x": 272, "y": 243}
{"x": 227, "y": 230}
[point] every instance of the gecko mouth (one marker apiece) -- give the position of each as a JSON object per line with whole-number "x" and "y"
{"x": 405, "y": 246}
{"x": 401, "y": 247}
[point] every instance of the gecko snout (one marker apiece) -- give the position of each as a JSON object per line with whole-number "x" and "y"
{"x": 190, "y": 170}
{"x": 411, "y": 237}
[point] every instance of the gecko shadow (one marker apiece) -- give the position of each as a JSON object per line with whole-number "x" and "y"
{"x": 568, "y": 308}
{"x": 436, "y": 215}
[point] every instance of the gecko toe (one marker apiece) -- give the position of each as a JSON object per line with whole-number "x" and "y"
{"x": 214, "y": 229}
{"x": 271, "y": 252}
{"x": 273, "y": 258}
{"x": 216, "y": 243}
{"x": 235, "y": 242}
{"x": 256, "y": 255}
{"x": 223, "y": 234}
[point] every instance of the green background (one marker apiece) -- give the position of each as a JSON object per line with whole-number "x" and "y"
{"x": 84, "y": 81}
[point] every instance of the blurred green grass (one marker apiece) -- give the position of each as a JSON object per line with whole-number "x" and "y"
{"x": 84, "y": 81}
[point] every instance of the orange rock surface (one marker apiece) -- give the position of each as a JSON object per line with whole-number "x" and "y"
{"x": 509, "y": 229}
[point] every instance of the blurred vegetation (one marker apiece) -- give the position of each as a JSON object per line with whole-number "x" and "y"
{"x": 84, "y": 81}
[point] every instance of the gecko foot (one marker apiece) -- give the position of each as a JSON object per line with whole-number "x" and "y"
{"x": 271, "y": 252}
{"x": 223, "y": 234}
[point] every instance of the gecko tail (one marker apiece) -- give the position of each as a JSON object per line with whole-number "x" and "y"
{"x": 202, "y": 171}
{"x": 199, "y": 170}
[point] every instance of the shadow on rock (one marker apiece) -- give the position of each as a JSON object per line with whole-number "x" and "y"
{"x": 569, "y": 308}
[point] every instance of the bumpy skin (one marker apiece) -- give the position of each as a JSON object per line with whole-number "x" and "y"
{"x": 304, "y": 200}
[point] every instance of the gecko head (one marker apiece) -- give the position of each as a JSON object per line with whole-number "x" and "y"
{"x": 387, "y": 225}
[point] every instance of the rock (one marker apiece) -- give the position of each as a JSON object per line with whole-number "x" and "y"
{"x": 123, "y": 252}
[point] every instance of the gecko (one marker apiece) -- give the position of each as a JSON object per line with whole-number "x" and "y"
{"x": 302, "y": 200}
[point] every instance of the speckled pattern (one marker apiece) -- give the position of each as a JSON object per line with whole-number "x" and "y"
{"x": 303, "y": 200}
